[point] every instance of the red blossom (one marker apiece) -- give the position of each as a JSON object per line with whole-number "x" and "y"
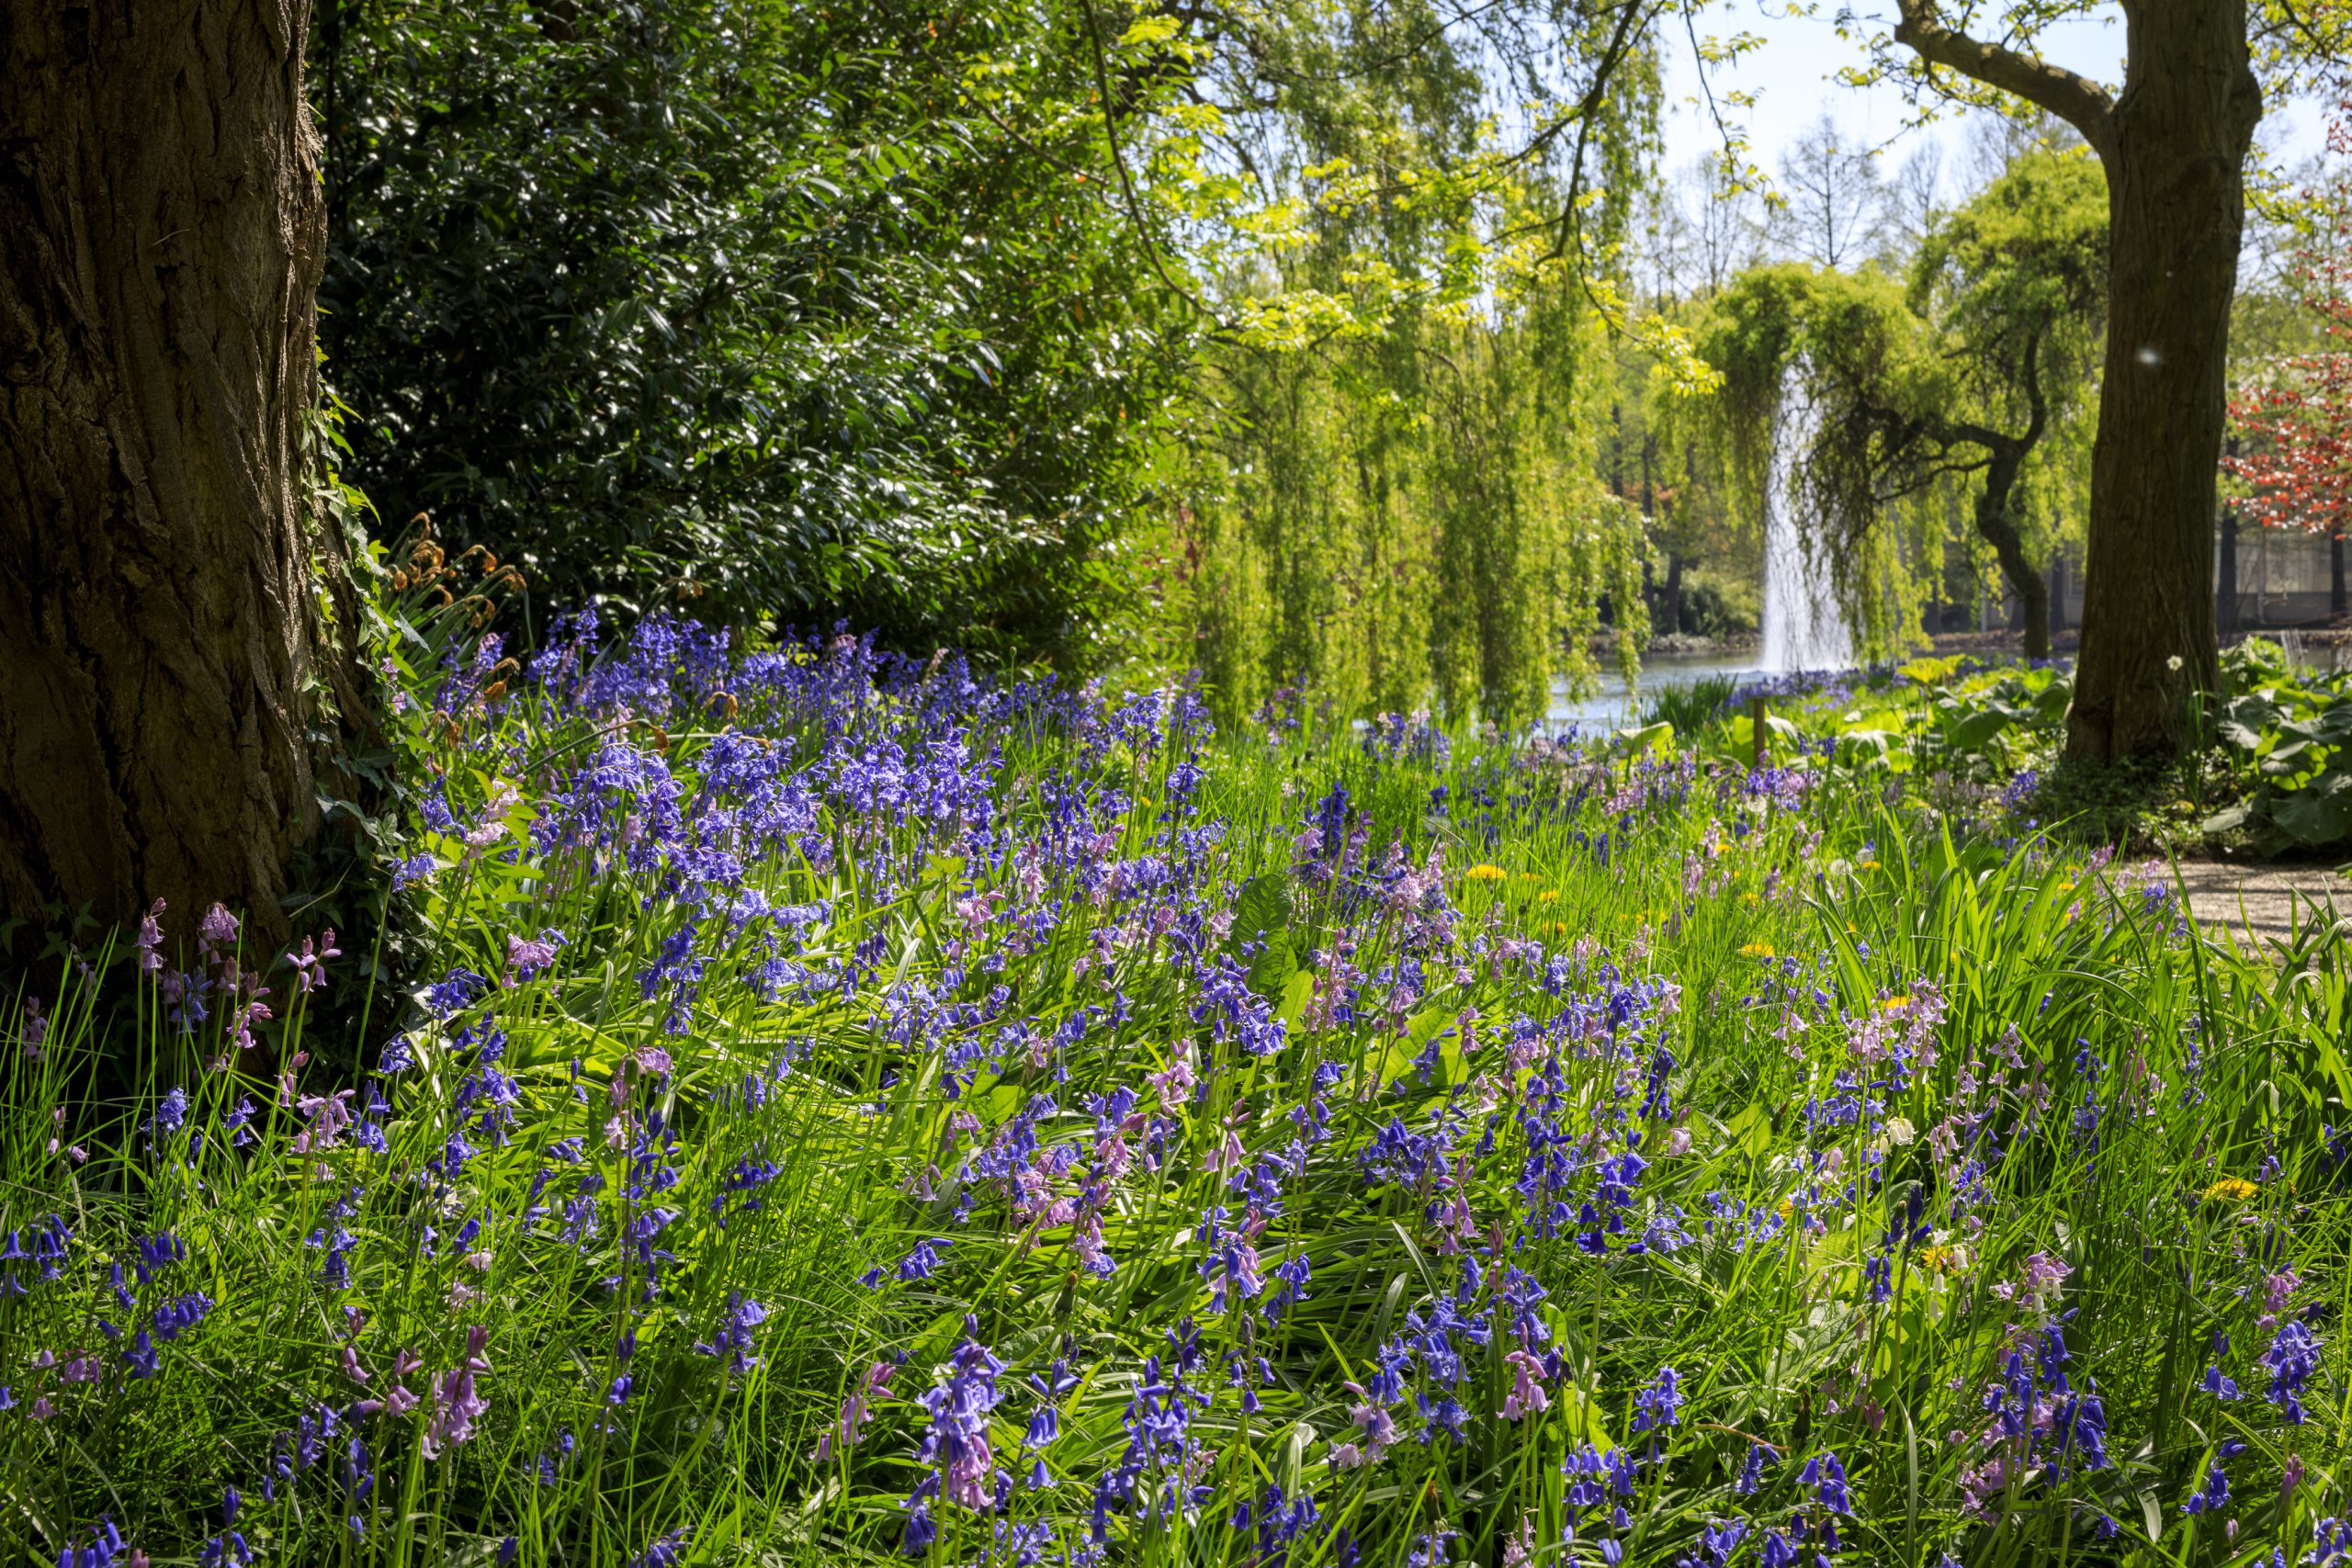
{"x": 2298, "y": 473}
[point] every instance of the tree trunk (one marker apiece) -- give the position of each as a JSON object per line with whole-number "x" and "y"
{"x": 164, "y": 234}
{"x": 2174, "y": 144}
{"x": 2225, "y": 576}
{"x": 2176, "y": 208}
{"x": 1993, "y": 523}
{"x": 2337, "y": 607}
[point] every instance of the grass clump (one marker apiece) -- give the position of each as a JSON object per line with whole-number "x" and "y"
{"x": 860, "y": 1113}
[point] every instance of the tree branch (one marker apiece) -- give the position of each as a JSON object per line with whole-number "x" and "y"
{"x": 1621, "y": 38}
{"x": 2036, "y": 404}
{"x": 2079, "y": 101}
{"x": 1126, "y": 187}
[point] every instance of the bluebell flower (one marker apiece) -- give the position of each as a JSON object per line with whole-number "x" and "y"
{"x": 170, "y": 1113}
{"x": 155, "y": 1253}
{"x": 181, "y": 1314}
{"x": 733, "y": 1338}
{"x": 662, "y": 1552}
{"x": 2292, "y": 1358}
{"x": 105, "y": 1546}
{"x": 1825, "y": 1478}
{"x": 2212, "y": 1495}
{"x": 921, "y": 1262}
{"x": 229, "y": 1549}
{"x": 1660, "y": 1405}
{"x": 455, "y": 991}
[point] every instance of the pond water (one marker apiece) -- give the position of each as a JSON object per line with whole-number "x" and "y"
{"x": 1613, "y": 706}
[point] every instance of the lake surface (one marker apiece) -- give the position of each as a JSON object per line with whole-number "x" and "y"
{"x": 1614, "y": 706}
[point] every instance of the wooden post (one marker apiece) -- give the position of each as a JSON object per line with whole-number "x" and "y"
{"x": 1756, "y": 707}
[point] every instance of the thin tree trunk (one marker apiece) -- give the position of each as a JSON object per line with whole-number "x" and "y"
{"x": 1993, "y": 523}
{"x": 1617, "y": 451}
{"x": 2225, "y": 575}
{"x": 164, "y": 235}
{"x": 2337, "y": 608}
{"x": 2005, "y": 457}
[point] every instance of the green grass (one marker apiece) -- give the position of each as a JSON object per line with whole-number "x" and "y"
{"x": 1803, "y": 1000}
{"x": 1693, "y": 706}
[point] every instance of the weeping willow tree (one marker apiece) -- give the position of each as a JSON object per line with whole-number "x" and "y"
{"x": 1386, "y": 491}
{"x": 1411, "y": 518}
{"x": 1837, "y": 364}
{"x": 1970, "y": 383}
{"x": 2016, "y": 284}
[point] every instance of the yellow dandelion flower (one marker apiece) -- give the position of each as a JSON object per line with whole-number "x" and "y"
{"x": 1866, "y": 863}
{"x": 1939, "y": 1258}
{"x": 1529, "y": 876}
{"x": 1896, "y": 1004}
{"x": 1486, "y": 874}
{"x": 1549, "y": 896}
{"x": 1751, "y": 898}
{"x": 1785, "y": 1209}
{"x": 1757, "y": 950}
{"x": 2229, "y": 1189}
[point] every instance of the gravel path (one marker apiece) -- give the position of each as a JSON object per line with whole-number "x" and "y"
{"x": 2263, "y": 903}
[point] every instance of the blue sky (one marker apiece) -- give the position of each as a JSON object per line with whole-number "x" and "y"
{"x": 1795, "y": 74}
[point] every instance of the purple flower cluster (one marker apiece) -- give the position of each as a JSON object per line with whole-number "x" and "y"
{"x": 1287, "y": 1145}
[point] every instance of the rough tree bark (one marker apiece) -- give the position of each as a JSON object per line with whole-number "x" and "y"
{"x": 159, "y": 196}
{"x": 2174, "y": 144}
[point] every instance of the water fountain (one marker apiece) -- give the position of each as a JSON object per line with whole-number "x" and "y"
{"x": 1804, "y": 625}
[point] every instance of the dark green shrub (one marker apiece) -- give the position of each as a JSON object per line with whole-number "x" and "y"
{"x": 764, "y": 307}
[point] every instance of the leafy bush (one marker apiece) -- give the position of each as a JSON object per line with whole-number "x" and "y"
{"x": 2284, "y": 738}
{"x": 775, "y": 310}
{"x": 1956, "y": 717}
{"x": 1691, "y": 707}
{"x": 1990, "y": 727}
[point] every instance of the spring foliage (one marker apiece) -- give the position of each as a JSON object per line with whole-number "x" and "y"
{"x": 2298, "y": 471}
{"x": 1237, "y": 341}
{"x": 783, "y": 311}
{"x": 1966, "y": 382}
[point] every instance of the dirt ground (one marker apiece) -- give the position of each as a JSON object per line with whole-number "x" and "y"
{"x": 2263, "y": 903}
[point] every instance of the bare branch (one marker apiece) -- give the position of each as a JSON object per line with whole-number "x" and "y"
{"x": 2079, "y": 101}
